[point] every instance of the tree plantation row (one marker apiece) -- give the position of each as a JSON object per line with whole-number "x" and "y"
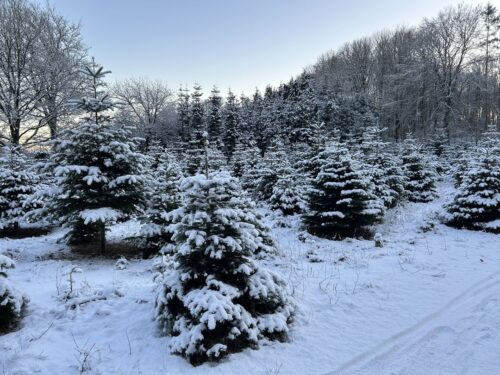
{"x": 197, "y": 204}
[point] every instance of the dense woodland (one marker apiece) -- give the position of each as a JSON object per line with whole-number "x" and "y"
{"x": 370, "y": 126}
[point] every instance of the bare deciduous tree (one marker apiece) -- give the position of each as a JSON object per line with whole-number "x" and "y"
{"x": 145, "y": 103}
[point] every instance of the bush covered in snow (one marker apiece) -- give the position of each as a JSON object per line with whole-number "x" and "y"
{"x": 217, "y": 300}
{"x": 12, "y": 301}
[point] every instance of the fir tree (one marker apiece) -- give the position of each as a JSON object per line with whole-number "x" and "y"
{"x": 12, "y": 302}
{"x": 216, "y": 159}
{"x": 98, "y": 170}
{"x": 197, "y": 113}
{"x": 217, "y": 300}
{"x": 164, "y": 196}
{"x": 274, "y": 164}
{"x": 231, "y": 124}
{"x": 251, "y": 160}
{"x": 195, "y": 143}
{"x": 341, "y": 201}
{"x": 238, "y": 161}
{"x": 214, "y": 116}
{"x": 419, "y": 185}
{"x": 286, "y": 196}
{"x": 17, "y": 183}
{"x": 477, "y": 204}
{"x": 304, "y": 111}
{"x": 382, "y": 167}
{"x": 183, "y": 114}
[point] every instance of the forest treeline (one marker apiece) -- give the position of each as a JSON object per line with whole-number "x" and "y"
{"x": 440, "y": 79}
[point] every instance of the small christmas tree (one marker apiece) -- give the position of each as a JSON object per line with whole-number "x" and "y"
{"x": 17, "y": 183}
{"x": 250, "y": 174}
{"x": 164, "y": 196}
{"x": 217, "y": 300}
{"x": 232, "y": 122}
{"x": 99, "y": 172}
{"x": 12, "y": 301}
{"x": 341, "y": 201}
{"x": 386, "y": 176}
{"x": 420, "y": 178}
{"x": 274, "y": 164}
{"x": 287, "y": 196}
{"x": 214, "y": 116}
{"x": 477, "y": 204}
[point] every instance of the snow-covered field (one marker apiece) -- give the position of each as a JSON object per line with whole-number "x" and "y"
{"x": 428, "y": 302}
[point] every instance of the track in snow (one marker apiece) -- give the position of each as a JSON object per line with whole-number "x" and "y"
{"x": 444, "y": 336}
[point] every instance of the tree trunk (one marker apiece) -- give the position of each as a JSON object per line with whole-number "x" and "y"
{"x": 102, "y": 229}
{"x": 15, "y": 132}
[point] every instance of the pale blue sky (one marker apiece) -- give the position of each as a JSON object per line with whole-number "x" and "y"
{"x": 231, "y": 43}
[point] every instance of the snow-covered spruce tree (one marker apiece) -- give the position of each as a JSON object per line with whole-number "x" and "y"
{"x": 194, "y": 142}
{"x": 420, "y": 186}
{"x": 217, "y": 300}
{"x": 217, "y": 161}
{"x": 12, "y": 301}
{"x": 183, "y": 114}
{"x": 251, "y": 160}
{"x": 477, "y": 204}
{"x": 232, "y": 122}
{"x": 214, "y": 116}
{"x": 382, "y": 167}
{"x": 462, "y": 162}
{"x": 163, "y": 196}
{"x": 17, "y": 183}
{"x": 238, "y": 160}
{"x": 341, "y": 202}
{"x": 287, "y": 196}
{"x": 197, "y": 114}
{"x": 274, "y": 164}
{"x": 99, "y": 172}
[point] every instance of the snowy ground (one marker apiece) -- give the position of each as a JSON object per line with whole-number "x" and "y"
{"x": 428, "y": 302}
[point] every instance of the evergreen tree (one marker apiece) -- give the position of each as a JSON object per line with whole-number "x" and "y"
{"x": 462, "y": 165}
{"x": 216, "y": 159}
{"x": 238, "y": 161}
{"x": 439, "y": 140}
{"x": 196, "y": 138}
{"x": 214, "y": 117}
{"x": 341, "y": 201}
{"x": 251, "y": 160}
{"x": 17, "y": 183}
{"x": 98, "y": 170}
{"x": 12, "y": 302}
{"x": 246, "y": 118}
{"x": 197, "y": 113}
{"x": 304, "y": 111}
{"x": 231, "y": 124}
{"x": 477, "y": 204}
{"x": 420, "y": 185}
{"x": 286, "y": 196}
{"x": 183, "y": 114}
{"x": 164, "y": 196}
{"x": 217, "y": 300}
{"x": 274, "y": 164}
{"x": 382, "y": 168}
